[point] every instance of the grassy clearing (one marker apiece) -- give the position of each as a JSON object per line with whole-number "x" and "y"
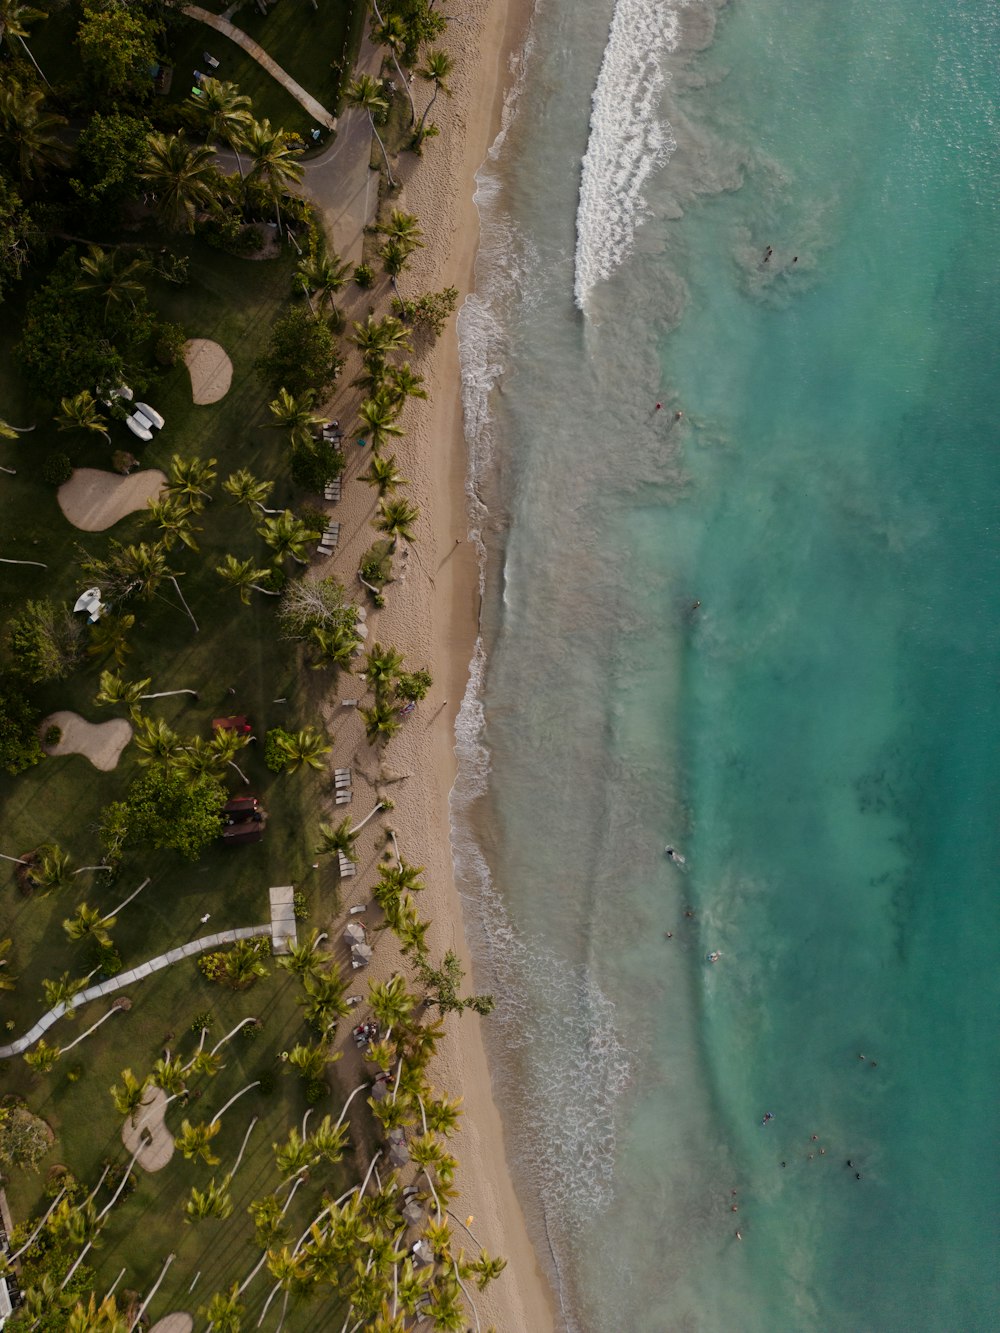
{"x": 61, "y": 799}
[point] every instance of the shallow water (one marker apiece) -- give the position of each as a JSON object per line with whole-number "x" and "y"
{"x": 818, "y": 736}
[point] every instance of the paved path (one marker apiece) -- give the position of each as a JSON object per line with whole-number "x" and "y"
{"x": 256, "y": 52}
{"x": 127, "y": 978}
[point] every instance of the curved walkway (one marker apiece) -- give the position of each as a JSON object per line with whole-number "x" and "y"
{"x": 256, "y": 52}
{"x": 127, "y": 978}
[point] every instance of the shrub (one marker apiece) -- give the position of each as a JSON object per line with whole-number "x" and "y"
{"x": 107, "y": 960}
{"x": 300, "y": 905}
{"x": 301, "y": 354}
{"x": 170, "y": 340}
{"x": 74, "y": 1073}
{"x": 122, "y": 461}
{"x": 24, "y": 1138}
{"x": 53, "y": 735}
{"x": 275, "y": 754}
{"x": 413, "y": 685}
{"x": 316, "y": 463}
{"x": 316, "y": 1089}
{"x": 364, "y": 276}
{"x": 57, "y": 469}
{"x": 202, "y": 1022}
{"x": 251, "y": 1031}
{"x": 19, "y": 744}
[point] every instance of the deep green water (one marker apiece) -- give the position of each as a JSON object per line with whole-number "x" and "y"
{"x": 819, "y": 736}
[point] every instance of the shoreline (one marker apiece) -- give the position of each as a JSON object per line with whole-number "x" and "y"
{"x": 432, "y": 616}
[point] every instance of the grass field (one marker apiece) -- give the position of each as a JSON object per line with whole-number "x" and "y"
{"x": 234, "y": 302}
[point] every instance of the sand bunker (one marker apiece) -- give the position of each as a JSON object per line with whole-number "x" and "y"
{"x": 210, "y": 369}
{"x": 100, "y": 742}
{"x": 173, "y": 1323}
{"x": 158, "y": 1152}
{"x": 93, "y": 500}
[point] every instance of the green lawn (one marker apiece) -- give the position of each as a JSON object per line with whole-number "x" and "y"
{"x": 233, "y": 301}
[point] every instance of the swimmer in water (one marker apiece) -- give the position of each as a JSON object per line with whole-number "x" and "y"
{"x": 674, "y": 855}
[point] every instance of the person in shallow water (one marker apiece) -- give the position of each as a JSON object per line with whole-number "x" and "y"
{"x": 767, "y": 1118}
{"x": 674, "y": 855}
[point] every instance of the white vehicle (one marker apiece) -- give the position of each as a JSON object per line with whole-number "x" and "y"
{"x": 142, "y": 421}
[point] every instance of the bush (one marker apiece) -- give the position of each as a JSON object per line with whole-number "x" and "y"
{"x": 170, "y": 340}
{"x": 202, "y": 1022}
{"x": 316, "y": 1089}
{"x": 275, "y": 754}
{"x": 300, "y": 906}
{"x": 19, "y": 744}
{"x": 413, "y": 685}
{"x": 364, "y": 276}
{"x": 251, "y": 1031}
{"x": 45, "y": 642}
{"x": 24, "y": 1138}
{"x": 107, "y": 961}
{"x": 53, "y": 735}
{"x": 122, "y": 461}
{"x": 316, "y": 463}
{"x": 57, "y": 469}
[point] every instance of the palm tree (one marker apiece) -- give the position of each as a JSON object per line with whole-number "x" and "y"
{"x": 194, "y": 1140}
{"x": 311, "y": 1061}
{"x": 215, "y": 1201}
{"x": 14, "y": 19}
{"x": 158, "y": 743}
{"x": 226, "y": 745}
{"x": 336, "y": 645}
{"x": 322, "y": 275}
{"x": 173, "y": 517}
{"x": 337, "y": 839}
{"x": 366, "y": 93}
{"x": 378, "y": 419}
{"x": 436, "y": 68}
{"x": 245, "y": 489}
{"x": 324, "y": 1002}
{"x": 115, "y": 690}
{"x": 304, "y": 747}
{"x": 275, "y": 161}
{"x": 304, "y": 958}
{"x": 296, "y": 415}
{"x": 382, "y": 666}
{"x": 383, "y": 474}
{"x": 287, "y": 536}
{"x": 294, "y": 1155}
{"x": 405, "y": 383}
{"x": 183, "y": 177}
{"x": 43, "y": 1057}
{"x": 110, "y": 635}
{"x": 81, "y": 413}
{"x": 191, "y": 480}
{"x": 392, "y": 33}
{"x": 404, "y": 228}
{"x": 396, "y": 519}
{"x": 52, "y": 870}
{"x": 222, "y": 112}
{"x": 224, "y": 1311}
{"x": 330, "y": 1140}
{"x": 381, "y": 721}
{"x": 87, "y": 922}
{"x": 30, "y": 130}
{"x": 391, "y": 1002}
{"x": 105, "y": 273}
{"x": 244, "y": 576}
{"x": 130, "y": 1095}
{"x": 376, "y": 338}
{"x": 395, "y": 256}
{"x": 167, "y": 1074}
{"x": 94, "y": 1318}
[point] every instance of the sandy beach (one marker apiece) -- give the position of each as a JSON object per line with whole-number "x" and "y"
{"x": 432, "y": 616}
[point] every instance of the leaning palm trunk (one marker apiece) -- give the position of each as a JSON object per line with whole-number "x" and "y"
{"x": 38, "y": 563}
{"x": 233, "y": 764}
{"x": 427, "y": 110}
{"x": 155, "y": 1289}
{"x": 402, "y": 78}
{"x": 11, "y": 471}
{"x": 115, "y": 1009}
{"x": 232, "y": 1101}
{"x": 385, "y": 155}
{"x": 18, "y": 860}
{"x": 229, "y": 1035}
{"x": 116, "y": 910}
{"x": 173, "y": 580}
{"x": 246, "y": 1140}
{"x": 31, "y": 1239}
{"x": 166, "y": 694}
{"x": 357, "y": 829}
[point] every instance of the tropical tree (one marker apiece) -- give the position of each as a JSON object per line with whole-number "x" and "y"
{"x": 98, "y": 1318}
{"x": 14, "y": 20}
{"x": 245, "y": 489}
{"x": 110, "y": 635}
{"x": 111, "y": 276}
{"x": 367, "y": 94}
{"x": 191, "y": 480}
{"x": 81, "y": 413}
{"x": 395, "y": 257}
{"x": 43, "y": 1057}
{"x": 7, "y": 981}
{"x": 245, "y": 577}
{"x": 337, "y": 839}
{"x": 274, "y": 159}
{"x": 382, "y": 666}
{"x": 88, "y": 923}
{"x": 436, "y": 69}
{"x": 404, "y": 228}
{"x": 391, "y": 32}
{"x": 296, "y": 415}
{"x": 287, "y": 535}
{"x": 129, "y": 1095}
{"x": 391, "y": 1002}
{"x": 377, "y": 418}
{"x": 323, "y": 1002}
{"x": 337, "y": 645}
{"x": 222, "y": 113}
{"x": 311, "y": 1061}
{"x": 157, "y": 742}
{"x": 381, "y": 721}
{"x": 321, "y": 275}
{"x": 31, "y": 131}
{"x": 305, "y": 957}
{"x": 307, "y": 746}
{"x": 183, "y": 177}
{"x": 215, "y": 1201}
{"x": 51, "y": 870}
{"x": 396, "y": 519}
{"x": 375, "y": 339}
{"x": 403, "y": 383}
{"x": 224, "y": 1311}
{"x": 173, "y": 517}
{"x": 195, "y": 1141}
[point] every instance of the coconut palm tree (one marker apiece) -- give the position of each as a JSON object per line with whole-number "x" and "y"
{"x": 110, "y": 635}
{"x": 311, "y": 1061}
{"x": 168, "y": 1075}
{"x": 215, "y": 1201}
{"x": 157, "y": 742}
{"x": 323, "y": 1002}
{"x": 274, "y": 159}
{"x": 404, "y": 228}
{"x": 31, "y": 130}
{"x": 226, "y": 745}
{"x": 183, "y": 177}
{"x": 15, "y": 17}
{"x": 392, "y": 33}
{"x": 304, "y": 958}
{"x": 337, "y": 645}
{"x": 404, "y": 382}
{"x": 173, "y": 517}
{"x": 110, "y": 275}
{"x": 391, "y": 1002}
{"x": 382, "y": 666}
{"x": 81, "y": 412}
{"x": 222, "y": 113}
{"x": 330, "y": 1140}
{"x": 191, "y": 480}
{"x": 287, "y": 536}
{"x": 130, "y": 1095}
{"x": 322, "y": 276}
{"x": 337, "y": 839}
{"x": 195, "y": 1140}
{"x": 396, "y": 519}
{"x": 224, "y": 1311}
{"x": 244, "y": 576}
{"x": 294, "y": 1155}
{"x": 94, "y": 1318}
{"x": 52, "y": 870}
{"x": 43, "y": 1057}
{"x": 381, "y": 721}
{"x": 367, "y": 94}
{"x": 395, "y": 257}
{"x": 377, "y": 417}
{"x": 87, "y": 922}
{"x": 245, "y": 489}
{"x": 383, "y": 474}
{"x": 375, "y": 339}
{"x": 436, "y": 68}
{"x": 397, "y": 880}
{"x": 307, "y": 746}
{"x": 114, "y": 689}
{"x": 297, "y": 416}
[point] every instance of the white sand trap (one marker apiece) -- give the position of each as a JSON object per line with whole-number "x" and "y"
{"x": 93, "y": 500}
{"x": 173, "y": 1323}
{"x": 100, "y": 742}
{"x": 155, "y": 1155}
{"x": 210, "y": 369}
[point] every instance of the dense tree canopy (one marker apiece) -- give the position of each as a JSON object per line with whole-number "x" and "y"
{"x": 117, "y": 45}
{"x": 168, "y": 809}
{"x": 19, "y": 744}
{"x": 109, "y": 153}
{"x": 301, "y": 355}
{"x": 44, "y": 642}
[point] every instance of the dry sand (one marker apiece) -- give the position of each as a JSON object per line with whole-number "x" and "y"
{"x": 210, "y": 369}
{"x": 432, "y": 617}
{"x": 93, "y": 500}
{"x": 157, "y": 1153}
{"x": 173, "y": 1323}
{"x": 100, "y": 742}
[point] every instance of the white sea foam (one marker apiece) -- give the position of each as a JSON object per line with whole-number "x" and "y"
{"x": 628, "y": 139}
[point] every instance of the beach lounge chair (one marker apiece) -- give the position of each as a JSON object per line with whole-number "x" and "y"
{"x": 342, "y": 780}
{"x": 342, "y": 772}
{"x": 344, "y": 796}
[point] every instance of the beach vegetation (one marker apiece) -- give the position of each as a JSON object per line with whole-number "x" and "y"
{"x": 301, "y": 355}
{"x": 436, "y": 70}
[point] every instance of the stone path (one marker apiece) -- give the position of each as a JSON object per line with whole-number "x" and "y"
{"x": 256, "y": 52}
{"x": 128, "y": 978}
{"x": 283, "y": 931}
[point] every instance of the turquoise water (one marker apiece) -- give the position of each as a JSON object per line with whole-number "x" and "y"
{"x": 819, "y": 735}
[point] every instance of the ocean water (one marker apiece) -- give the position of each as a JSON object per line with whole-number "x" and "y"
{"x": 766, "y": 632}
